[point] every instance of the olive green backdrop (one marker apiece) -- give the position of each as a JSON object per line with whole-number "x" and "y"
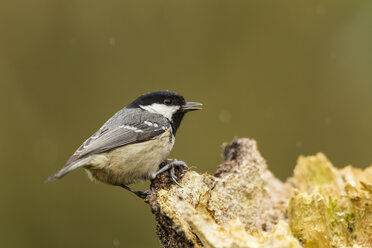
{"x": 294, "y": 75}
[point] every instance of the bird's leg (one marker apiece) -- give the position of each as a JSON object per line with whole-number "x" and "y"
{"x": 170, "y": 166}
{"x": 140, "y": 193}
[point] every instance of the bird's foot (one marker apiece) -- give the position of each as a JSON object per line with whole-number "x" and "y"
{"x": 170, "y": 166}
{"x": 140, "y": 193}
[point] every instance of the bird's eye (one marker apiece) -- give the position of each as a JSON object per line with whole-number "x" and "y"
{"x": 167, "y": 101}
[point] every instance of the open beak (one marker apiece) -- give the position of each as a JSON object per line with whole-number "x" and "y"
{"x": 190, "y": 106}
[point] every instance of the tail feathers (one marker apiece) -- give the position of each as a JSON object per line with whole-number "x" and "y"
{"x": 65, "y": 170}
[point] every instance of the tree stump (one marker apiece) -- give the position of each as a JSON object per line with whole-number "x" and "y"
{"x": 244, "y": 205}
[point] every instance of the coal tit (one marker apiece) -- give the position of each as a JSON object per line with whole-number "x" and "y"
{"x": 131, "y": 145}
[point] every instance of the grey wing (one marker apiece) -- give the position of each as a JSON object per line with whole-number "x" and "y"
{"x": 79, "y": 153}
{"x": 107, "y": 139}
{"x": 127, "y": 126}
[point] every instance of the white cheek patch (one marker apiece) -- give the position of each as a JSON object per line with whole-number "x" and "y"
{"x": 164, "y": 110}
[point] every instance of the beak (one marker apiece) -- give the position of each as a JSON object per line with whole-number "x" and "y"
{"x": 190, "y": 106}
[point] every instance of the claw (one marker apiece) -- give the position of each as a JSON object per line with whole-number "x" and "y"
{"x": 173, "y": 176}
{"x": 170, "y": 166}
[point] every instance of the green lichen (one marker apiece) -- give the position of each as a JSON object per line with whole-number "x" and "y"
{"x": 333, "y": 212}
{"x": 330, "y": 207}
{"x": 308, "y": 217}
{"x": 350, "y": 220}
{"x": 318, "y": 172}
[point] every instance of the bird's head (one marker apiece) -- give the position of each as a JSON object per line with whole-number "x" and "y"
{"x": 167, "y": 103}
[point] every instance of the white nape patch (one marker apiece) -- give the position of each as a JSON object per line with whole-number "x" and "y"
{"x": 137, "y": 130}
{"x": 164, "y": 110}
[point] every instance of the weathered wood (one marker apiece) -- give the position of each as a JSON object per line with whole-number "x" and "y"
{"x": 244, "y": 205}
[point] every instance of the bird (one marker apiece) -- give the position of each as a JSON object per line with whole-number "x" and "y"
{"x": 131, "y": 145}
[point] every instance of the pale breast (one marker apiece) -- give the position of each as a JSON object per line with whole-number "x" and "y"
{"x": 132, "y": 163}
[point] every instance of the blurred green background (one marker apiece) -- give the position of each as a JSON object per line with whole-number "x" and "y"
{"x": 294, "y": 75}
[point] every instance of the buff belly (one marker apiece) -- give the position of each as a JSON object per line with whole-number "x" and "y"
{"x": 132, "y": 163}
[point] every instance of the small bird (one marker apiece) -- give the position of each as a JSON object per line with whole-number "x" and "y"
{"x": 131, "y": 145}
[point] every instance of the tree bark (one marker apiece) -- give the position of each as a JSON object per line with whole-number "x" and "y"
{"x": 244, "y": 205}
